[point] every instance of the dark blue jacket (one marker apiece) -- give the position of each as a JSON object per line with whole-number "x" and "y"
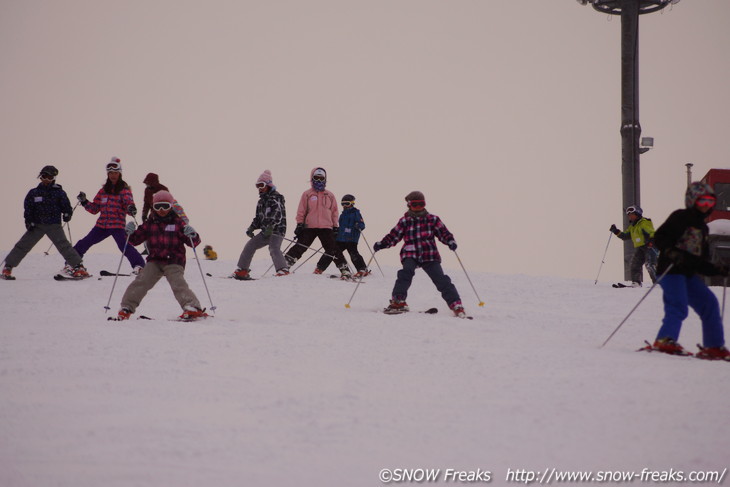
{"x": 45, "y": 204}
{"x": 351, "y": 224}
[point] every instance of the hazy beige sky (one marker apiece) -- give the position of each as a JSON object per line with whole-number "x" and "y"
{"x": 504, "y": 113}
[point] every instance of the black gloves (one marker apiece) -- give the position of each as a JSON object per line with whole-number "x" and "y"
{"x": 29, "y": 226}
{"x": 298, "y": 230}
{"x": 452, "y": 245}
{"x": 132, "y": 210}
{"x": 249, "y": 232}
{"x": 82, "y": 198}
{"x": 614, "y": 230}
{"x": 67, "y": 217}
{"x": 378, "y": 246}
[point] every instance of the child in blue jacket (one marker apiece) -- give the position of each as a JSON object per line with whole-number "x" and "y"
{"x": 348, "y": 235}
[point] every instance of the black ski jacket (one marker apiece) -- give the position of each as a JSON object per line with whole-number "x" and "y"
{"x": 682, "y": 241}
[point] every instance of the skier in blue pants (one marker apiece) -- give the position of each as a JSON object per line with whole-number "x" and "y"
{"x": 683, "y": 256}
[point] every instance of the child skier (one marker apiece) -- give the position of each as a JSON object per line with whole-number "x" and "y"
{"x": 270, "y": 218}
{"x": 317, "y": 216}
{"x": 351, "y": 225}
{"x": 418, "y": 228}
{"x": 166, "y": 236}
{"x": 683, "y": 255}
{"x": 44, "y": 208}
{"x": 152, "y": 186}
{"x": 113, "y": 201}
{"x": 641, "y": 233}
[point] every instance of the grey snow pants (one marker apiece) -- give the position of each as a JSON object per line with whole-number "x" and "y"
{"x": 258, "y": 242}
{"x": 148, "y": 277}
{"x": 30, "y": 238}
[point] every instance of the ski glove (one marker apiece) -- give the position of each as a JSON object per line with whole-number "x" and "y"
{"x": 298, "y": 230}
{"x": 189, "y": 231}
{"x": 452, "y": 245}
{"x": 249, "y": 232}
{"x": 378, "y": 246}
{"x": 614, "y": 230}
{"x": 268, "y": 231}
{"x": 29, "y": 226}
{"x": 67, "y": 217}
{"x": 336, "y": 230}
{"x": 130, "y": 227}
{"x": 82, "y": 198}
{"x": 132, "y": 210}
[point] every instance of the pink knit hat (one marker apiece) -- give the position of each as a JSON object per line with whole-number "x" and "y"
{"x": 265, "y": 178}
{"x": 162, "y": 196}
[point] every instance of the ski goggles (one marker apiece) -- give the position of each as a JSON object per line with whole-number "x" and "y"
{"x": 318, "y": 178}
{"x": 417, "y": 204}
{"x": 162, "y": 206}
{"x": 706, "y": 201}
{"x": 347, "y": 204}
{"x": 47, "y": 177}
{"x": 261, "y": 185}
{"x": 114, "y": 167}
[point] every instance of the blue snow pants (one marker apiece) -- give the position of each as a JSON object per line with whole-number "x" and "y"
{"x": 434, "y": 271}
{"x": 682, "y": 291}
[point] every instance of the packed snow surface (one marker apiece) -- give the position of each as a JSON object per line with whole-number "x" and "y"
{"x": 285, "y": 386}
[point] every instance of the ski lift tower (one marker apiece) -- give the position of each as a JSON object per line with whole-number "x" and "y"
{"x": 629, "y": 10}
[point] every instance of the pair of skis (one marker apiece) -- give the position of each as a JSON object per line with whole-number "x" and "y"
{"x": 430, "y": 311}
{"x": 64, "y": 277}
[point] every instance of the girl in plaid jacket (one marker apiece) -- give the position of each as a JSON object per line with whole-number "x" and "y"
{"x": 419, "y": 229}
{"x": 113, "y": 203}
{"x": 166, "y": 235}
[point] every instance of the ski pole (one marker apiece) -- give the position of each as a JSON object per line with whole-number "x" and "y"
{"x": 307, "y": 259}
{"x": 637, "y": 304}
{"x": 192, "y": 244}
{"x": 116, "y": 275}
{"x": 308, "y": 248}
{"x": 603, "y": 260}
{"x": 68, "y": 224}
{"x": 347, "y": 305}
{"x": 372, "y": 253}
{"x": 481, "y": 303}
{"x": 272, "y": 264}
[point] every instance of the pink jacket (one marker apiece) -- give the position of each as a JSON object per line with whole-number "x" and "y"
{"x": 318, "y": 209}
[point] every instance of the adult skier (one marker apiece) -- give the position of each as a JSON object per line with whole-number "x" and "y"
{"x": 43, "y": 209}
{"x": 317, "y": 216}
{"x": 113, "y": 202}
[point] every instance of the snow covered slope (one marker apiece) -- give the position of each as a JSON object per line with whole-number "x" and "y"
{"x": 287, "y": 387}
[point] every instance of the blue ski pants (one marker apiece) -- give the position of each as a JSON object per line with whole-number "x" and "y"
{"x": 681, "y": 292}
{"x": 434, "y": 271}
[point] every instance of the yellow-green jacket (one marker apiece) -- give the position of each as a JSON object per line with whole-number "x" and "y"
{"x": 641, "y": 232}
